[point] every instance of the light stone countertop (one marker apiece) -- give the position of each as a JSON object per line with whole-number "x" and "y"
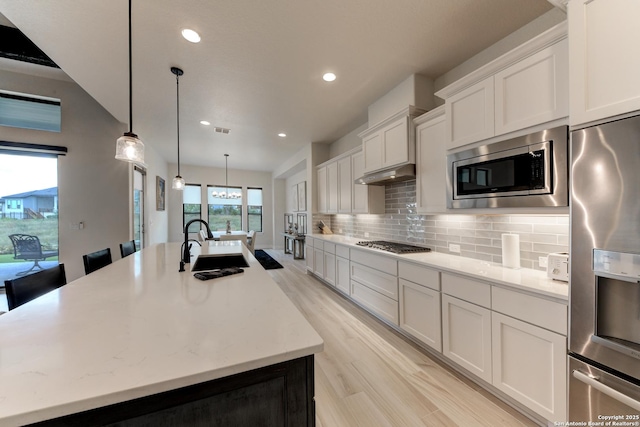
{"x": 139, "y": 327}
{"x": 525, "y": 279}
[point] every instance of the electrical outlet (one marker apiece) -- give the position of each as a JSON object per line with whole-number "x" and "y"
{"x": 454, "y": 248}
{"x": 366, "y": 234}
{"x": 542, "y": 261}
{"x": 339, "y": 230}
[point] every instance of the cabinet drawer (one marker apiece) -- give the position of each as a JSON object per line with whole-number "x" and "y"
{"x": 308, "y": 241}
{"x": 342, "y": 251}
{"x": 421, "y": 275}
{"x": 382, "y": 283}
{"x": 466, "y": 289}
{"x": 330, "y": 247}
{"x": 375, "y": 302}
{"x": 379, "y": 262}
{"x": 540, "y": 312}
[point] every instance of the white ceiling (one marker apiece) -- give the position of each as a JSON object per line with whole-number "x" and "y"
{"x": 259, "y": 65}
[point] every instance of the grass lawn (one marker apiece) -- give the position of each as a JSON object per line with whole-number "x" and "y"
{"x": 45, "y": 229}
{"x": 7, "y": 258}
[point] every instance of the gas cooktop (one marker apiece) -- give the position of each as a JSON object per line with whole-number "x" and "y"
{"x": 396, "y": 248}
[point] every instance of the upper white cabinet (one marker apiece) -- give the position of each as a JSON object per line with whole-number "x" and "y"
{"x": 604, "y": 68}
{"x": 470, "y": 114}
{"x": 337, "y": 192}
{"x": 431, "y": 181}
{"x": 390, "y": 142}
{"x": 525, "y": 87}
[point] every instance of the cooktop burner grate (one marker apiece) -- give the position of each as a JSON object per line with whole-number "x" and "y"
{"x": 396, "y": 248}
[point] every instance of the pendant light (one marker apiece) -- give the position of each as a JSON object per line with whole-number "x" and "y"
{"x": 226, "y": 194}
{"x": 129, "y": 147}
{"x": 178, "y": 181}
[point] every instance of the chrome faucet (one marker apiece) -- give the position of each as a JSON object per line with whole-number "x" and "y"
{"x": 186, "y": 253}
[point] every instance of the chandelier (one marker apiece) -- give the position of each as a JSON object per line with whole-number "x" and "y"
{"x": 226, "y": 194}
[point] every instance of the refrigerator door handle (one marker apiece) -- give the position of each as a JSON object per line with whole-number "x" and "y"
{"x": 612, "y": 393}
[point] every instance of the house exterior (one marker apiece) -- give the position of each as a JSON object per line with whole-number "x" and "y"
{"x": 31, "y": 204}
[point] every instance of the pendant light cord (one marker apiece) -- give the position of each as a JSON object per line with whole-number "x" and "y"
{"x": 130, "y": 77}
{"x": 178, "y": 117}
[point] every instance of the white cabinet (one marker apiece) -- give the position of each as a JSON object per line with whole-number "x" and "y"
{"x": 525, "y": 87}
{"x": 604, "y": 68}
{"x": 431, "y": 171}
{"x": 321, "y": 187}
{"x": 342, "y": 274}
{"x": 365, "y": 198}
{"x": 534, "y": 90}
{"x": 344, "y": 185}
{"x": 332, "y": 188}
{"x": 318, "y": 260}
{"x": 470, "y": 114}
{"x": 310, "y": 255}
{"x": 529, "y": 365}
{"x": 466, "y": 336}
{"x": 329, "y": 273}
{"x": 390, "y": 142}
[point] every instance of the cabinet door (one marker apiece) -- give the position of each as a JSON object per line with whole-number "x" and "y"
{"x": 466, "y": 336}
{"x": 534, "y": 90}
{"x": 420, "y": 313}
{"x": 530, "y": 365}
{"x": 359, "y": 196}
{"x": 342, "y": 274}
{"x": 345, "y": 184}
{"x": 395, "y": 143}
{"x": 372, "y": 150}
{"x": 318, "y": 262}
{"x": 329, "y": 268}
{"x": 604, "y": 70}
{"x": 321, "y": 186}
{"x": 332, "y": 188}
{"x": 309, "y": 253}
{"x": 431, "y": 167}
{"x": 470, "y": 114}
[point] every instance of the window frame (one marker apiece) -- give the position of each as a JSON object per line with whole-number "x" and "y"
{"x": 184, "y": 221}
{"x": 261, "y": 215}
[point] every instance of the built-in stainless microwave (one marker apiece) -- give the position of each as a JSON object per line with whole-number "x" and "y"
{"x": 526, "y": 171}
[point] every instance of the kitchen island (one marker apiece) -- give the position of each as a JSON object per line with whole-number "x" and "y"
{"x": 139, "y": 343}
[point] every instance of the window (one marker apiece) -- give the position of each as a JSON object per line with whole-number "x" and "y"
{"x": 191, "y": 206}
{"x": 26, "y": 111}
{"x": 223, "y": 210}
{"x": 254, "y": 209}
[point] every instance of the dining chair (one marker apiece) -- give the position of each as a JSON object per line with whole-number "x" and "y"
{"x": 127, "y": 248}
{"x": 203, "y": 235}
{"x": 96, "y": 260}
{"x": 251, "y": 241}
{"x": 241, "y": 237}
{"x": 25, "y": 288}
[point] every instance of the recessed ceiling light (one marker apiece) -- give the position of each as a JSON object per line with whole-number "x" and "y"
{"x": 329, "y": 77}
{"x": 282, "y": 135}
{"x": 191, "y": 35}
{"x": 204, "y": 122}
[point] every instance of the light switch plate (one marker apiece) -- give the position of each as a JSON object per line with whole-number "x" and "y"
{"x": 542, "y": 261}
{"x": 454, "y": 248}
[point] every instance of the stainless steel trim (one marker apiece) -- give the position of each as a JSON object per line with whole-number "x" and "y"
{"x": 386, "y": 176}
{"x": 612, "y": 393}
{"x": 556, "y": 191}
{"x": 610, "y": 343}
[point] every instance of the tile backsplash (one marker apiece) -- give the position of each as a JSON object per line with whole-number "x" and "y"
{"x": 479, "y": 236}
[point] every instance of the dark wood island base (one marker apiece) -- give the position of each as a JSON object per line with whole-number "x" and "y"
{"x": 276, "y": 395}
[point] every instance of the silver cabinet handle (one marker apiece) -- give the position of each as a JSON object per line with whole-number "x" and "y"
{"x": 612, "y": 393}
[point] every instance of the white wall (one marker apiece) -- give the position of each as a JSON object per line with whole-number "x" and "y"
{"x": 157, "y": 222}
{"x": 93, "y": 186}
{"x": 216, "y": 176}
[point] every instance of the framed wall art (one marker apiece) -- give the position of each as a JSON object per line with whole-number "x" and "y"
{"x": 159, "y": 193}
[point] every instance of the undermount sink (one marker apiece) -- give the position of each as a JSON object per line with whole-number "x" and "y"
{"x": 215, "y": 262}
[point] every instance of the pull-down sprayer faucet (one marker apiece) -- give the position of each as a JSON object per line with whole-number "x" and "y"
{"x": 186, "y": 254}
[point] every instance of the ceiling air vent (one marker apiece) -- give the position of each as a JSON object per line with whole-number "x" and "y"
{"x": 221, "y": 130}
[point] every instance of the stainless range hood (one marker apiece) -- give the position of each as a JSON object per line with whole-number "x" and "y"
{"x": 388, "y": 176}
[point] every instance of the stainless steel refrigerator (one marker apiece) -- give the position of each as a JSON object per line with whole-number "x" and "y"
{"x": 604, "y": 337}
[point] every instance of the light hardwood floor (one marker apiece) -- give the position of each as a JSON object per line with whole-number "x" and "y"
{"x": 369, "y": 375}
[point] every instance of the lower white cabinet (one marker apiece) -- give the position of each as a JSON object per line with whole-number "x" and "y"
{"x": 329, "y": 275}
{"x": 375, "y": 302}
{"x": 342, "y": 274}
{"x": 466, "y": 335}
{"x": 530, "y": 365}
{"x": 420, "y": 313}
{"x": 309, "y": 253}
{"x": 318, "y": 262}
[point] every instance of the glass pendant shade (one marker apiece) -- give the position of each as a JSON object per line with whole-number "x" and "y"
{"x": 130, "y": 149}
{"x": 178, "y": 183}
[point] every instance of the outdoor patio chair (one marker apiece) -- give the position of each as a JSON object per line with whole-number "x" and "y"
{"x": 28, "y": 248}
{"x": 24, "y": 289}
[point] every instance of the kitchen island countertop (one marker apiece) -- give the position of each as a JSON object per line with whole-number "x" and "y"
{"x": 533, "y": 281}
{"x": 139, "y": 327}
